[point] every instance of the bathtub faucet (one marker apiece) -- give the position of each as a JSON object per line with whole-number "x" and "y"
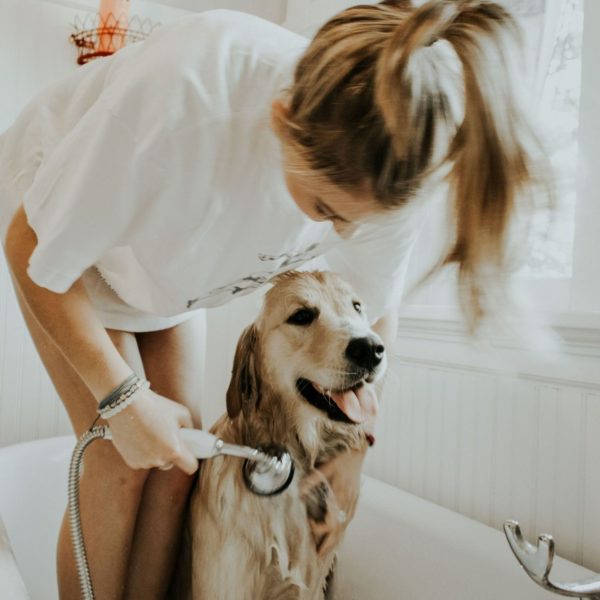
{"x": 537, "y": 563}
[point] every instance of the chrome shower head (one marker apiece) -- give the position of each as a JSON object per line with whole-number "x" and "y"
{"x": 266, "y": 471}
{"x": 269, "y": 475}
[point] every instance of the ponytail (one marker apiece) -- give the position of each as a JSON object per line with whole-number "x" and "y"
{"x": 488, "y": 144}
{"x": 390, "y": 95}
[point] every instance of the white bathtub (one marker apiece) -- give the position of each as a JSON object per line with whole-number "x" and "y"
{"x": 399, "y": 547}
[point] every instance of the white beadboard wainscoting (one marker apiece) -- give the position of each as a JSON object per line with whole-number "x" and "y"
{"x": 460, "y": 428}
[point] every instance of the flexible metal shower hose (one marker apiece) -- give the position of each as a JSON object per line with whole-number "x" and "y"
{"x": 87, "y": 438}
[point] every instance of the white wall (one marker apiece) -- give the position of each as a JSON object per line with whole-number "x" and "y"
{"x": 273, "y": 10}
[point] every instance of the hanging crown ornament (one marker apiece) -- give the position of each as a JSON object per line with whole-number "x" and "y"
{"x": 111, "y": 29}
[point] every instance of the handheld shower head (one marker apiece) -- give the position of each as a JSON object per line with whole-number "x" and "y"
{"x": 266, "y": 472}
{"x": 269, "y": 477}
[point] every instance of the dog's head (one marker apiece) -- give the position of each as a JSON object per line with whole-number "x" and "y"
{"x": 312, "y": 351}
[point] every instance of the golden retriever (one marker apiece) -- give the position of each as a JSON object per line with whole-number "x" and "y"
{"x": 302, "y": 380}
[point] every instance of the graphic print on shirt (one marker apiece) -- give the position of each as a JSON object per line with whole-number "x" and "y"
{"x": 246, "y": 284}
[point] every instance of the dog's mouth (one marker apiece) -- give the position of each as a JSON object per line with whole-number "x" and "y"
{"x": 355, "y": 404}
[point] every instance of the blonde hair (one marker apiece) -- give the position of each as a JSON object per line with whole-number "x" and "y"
{"x": 387, "y": 94}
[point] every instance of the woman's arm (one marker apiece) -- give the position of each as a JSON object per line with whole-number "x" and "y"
{"x": 69, "y": 319}
{"x": 145, "y": 433}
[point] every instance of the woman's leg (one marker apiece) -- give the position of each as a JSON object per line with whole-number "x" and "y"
{"x": 109, "y": 490}
{"x": 174, "y": 363}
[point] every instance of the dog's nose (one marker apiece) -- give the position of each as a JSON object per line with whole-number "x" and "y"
{"x": 365, "y": 352}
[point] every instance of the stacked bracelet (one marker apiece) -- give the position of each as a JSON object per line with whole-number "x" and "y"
{"x": 121, "y": 397}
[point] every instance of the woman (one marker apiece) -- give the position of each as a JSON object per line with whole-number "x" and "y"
{"x": 188, "y": 170}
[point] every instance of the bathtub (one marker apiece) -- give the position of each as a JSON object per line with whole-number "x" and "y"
{"x": 398, "y": 547}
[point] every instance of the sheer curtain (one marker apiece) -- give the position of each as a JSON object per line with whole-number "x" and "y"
{"x": 555, "y": 32}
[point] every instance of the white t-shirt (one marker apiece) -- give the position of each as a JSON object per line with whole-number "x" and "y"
{"x": 158, "y": 165}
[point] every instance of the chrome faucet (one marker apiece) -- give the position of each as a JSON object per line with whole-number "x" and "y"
{"x": 537, "y": 563}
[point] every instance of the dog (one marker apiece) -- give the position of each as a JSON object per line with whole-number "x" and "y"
{"x": 302, "y": 380}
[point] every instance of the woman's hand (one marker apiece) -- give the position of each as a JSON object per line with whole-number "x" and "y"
{"x": 146, "y": 433}
{"x": 331, "y": 494}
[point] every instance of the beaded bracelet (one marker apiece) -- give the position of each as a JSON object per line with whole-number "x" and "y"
{"x": 117, "y": 392}
{"x": 121, "y": 397}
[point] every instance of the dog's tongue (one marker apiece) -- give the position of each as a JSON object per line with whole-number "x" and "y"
{"x": 359, "y": 405}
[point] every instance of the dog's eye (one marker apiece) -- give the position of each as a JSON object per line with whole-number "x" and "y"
{"x": 357, "y": 307}
{"x": 303, "y": 316}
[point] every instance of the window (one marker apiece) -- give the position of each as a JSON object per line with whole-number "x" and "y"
{"x": 561, "y": 273}
{"x": 559, "y": 76}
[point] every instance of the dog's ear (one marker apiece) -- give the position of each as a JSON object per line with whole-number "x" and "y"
{"x": 244, "y": 388}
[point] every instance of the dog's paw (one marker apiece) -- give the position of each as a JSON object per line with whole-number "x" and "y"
{"x": 326, "y": 519}
{"x": 316, "y": 502}
{"x": 315, "y": 491}
{"x": 331, "y": 493}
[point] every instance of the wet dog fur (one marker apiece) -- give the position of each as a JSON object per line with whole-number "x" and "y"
{"x": 241, "y": 546}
